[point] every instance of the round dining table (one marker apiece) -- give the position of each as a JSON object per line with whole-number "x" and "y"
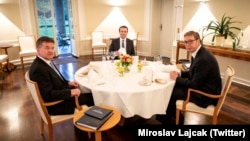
{"x": 127, "y": 93}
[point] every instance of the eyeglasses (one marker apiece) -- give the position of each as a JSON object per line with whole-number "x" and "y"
{"x": 189, "y": 41}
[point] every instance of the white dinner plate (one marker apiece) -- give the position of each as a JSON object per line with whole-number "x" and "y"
{"x": 161, "y": 81}
{"x": 145, "y": 83}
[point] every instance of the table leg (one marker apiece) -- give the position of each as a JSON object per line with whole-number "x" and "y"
{"x": 98, "y": 136}
{"x": 122, "y": 121}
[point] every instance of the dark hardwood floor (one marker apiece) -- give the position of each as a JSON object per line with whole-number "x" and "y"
{"x": 20, "y": 121}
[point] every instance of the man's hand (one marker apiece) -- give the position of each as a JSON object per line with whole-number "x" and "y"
{"x": 173, "y": 75}
{"x": 75, "y": 92}
{"x": 117, "y": 53}
{"x": 73, "y": 84}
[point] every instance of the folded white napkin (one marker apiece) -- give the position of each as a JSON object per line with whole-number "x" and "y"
{"x": 97, "y": 66}
{"x": 84, "y": 72}
{"x": 136, "y": 60}
{"x": 148, "y": 74}
{"x": 94, "y": 78}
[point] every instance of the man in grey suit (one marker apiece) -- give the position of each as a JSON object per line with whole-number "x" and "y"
{"x": 52, "y": 84}
{"x": 203, "y": 75}
{"x": 122, "y": 45}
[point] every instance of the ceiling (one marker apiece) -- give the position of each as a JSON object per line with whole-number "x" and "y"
{"x": 97, "y": 1}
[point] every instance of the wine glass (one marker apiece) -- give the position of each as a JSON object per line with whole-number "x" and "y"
{"x": 112, "y": 56}
{"x": 158, "y": 59}
{"x": 108, "y": 55}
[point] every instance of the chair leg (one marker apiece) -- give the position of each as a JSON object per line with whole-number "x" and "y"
{"x": 122, "y": 121}
{"x": 50, "y": 131}
{"x": 21, "y": 58}
{"x": 92, "y": 53}
{"x": 42, "y": 126}
{"x": 177, "y": 118}
{"x": 214, "y": 120}
{"x": 1, "y": 66}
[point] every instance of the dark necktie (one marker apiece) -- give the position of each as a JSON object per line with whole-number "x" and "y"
{"x": 192, "y": 60}
{"x": 122, "y": 43}
{"x": 55, "y": 69}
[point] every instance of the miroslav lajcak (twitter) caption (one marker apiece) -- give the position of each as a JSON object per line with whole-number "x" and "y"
{"x": 189, "y": 133}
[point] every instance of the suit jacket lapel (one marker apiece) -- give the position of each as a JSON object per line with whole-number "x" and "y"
{"x": 51, "y": 70}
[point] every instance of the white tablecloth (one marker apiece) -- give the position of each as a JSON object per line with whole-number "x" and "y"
{"x": 125, "y": 93}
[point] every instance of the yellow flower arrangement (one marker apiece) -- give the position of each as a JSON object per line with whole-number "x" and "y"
{"x": 125, "y": 61}
{"x": 117, "y": 63}
{"x": 120, "y": 70}
{"x": 139, "y": 66}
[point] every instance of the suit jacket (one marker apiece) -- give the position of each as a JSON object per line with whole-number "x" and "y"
{"x": 52, "y": 87}
{"x": 204, "y": 75}
{"x": 115, "y": 46}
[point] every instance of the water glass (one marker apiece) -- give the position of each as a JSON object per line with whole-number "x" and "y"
{"x": 112, "y": 56}
{"x": 158, "y": 59}
{"x": 108, "y": 54}
{"x": 103, "y": 58}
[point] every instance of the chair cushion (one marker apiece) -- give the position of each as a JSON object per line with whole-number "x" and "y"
{"x": 96, "y": 45}
{"x": 193, "y": 107}
{"x": 27, "y": 53}
{"x": 60, "y": 118}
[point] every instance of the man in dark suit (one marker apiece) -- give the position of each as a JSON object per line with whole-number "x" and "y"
{"x": 122, "y": 45}
{"x": 52, "y": 84}
{"x": 204, "y": 75}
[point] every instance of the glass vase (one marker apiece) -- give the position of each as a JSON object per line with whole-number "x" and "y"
{"x": 126, "y": 68}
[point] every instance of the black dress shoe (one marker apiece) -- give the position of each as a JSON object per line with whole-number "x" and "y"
{"x": 165, "y": 119}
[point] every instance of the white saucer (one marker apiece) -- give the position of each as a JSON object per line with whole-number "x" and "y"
{"x": 145, "y": 83}
{"x": 161, "y": 81}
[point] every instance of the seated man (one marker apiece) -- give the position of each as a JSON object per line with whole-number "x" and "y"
{"x": 203, "y": 75}
{"x": 122, "y": 45}
{"x": 51, "y": 83}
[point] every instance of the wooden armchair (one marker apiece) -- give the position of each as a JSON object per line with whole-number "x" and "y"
{"x": 47, "y": 119}
{"x": 3, "y": 59}
{"x": 211, "y": 110}
{"x": 98, "y": 42}
{"x": 63, "y": 40}
{"x": 134, "y": 36}
{"x": 180, "y": 45}
{"x": 27, "y": 48}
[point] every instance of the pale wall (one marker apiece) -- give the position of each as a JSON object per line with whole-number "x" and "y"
{"x": 142, "y": 19}
{"x": 240, "y": 9}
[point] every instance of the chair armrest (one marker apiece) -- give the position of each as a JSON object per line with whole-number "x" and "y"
{"x": 198, "y": 92}
{"x": 203, "y": 93}
{"x": 52, "y": 103}
{"x": 78, "y": 106}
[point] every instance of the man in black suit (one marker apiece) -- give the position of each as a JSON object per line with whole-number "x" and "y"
{"x": 52, "y": 84}
{"x": 204, "y": 75}
{"x": 122, "y": 45}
